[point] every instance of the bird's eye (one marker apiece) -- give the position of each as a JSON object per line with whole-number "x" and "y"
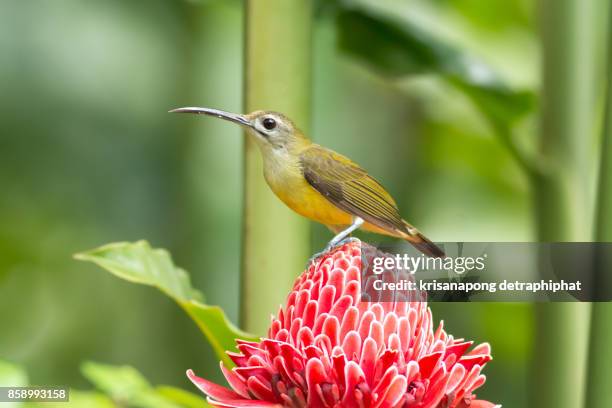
{"x": 269, "y": 123}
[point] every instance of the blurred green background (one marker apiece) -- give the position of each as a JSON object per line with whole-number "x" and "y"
{"x": 88, "y": 155}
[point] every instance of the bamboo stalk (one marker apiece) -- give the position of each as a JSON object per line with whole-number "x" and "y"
{"x": 562, "y": 191}
{"x": 600, "y": 358}
{"x": 278, "y": 70}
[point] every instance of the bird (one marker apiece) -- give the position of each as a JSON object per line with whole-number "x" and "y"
{"x": 319, "y": 183}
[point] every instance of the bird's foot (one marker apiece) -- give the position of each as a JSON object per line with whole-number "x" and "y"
{"x": 315, "y": 258}
{"x": 347, "y": 240}
{"x": 332, "y": 245}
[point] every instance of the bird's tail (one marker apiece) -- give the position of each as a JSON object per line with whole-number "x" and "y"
{"x": 422, "y": 243}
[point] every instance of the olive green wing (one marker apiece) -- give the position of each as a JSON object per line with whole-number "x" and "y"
{"x": 350, "y": 188}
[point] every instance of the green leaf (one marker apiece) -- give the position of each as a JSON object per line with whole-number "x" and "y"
{"x": 12, "y": 375}
{"x": 119, "y": 386}
{"x": 184, "y": 398}
{"x": 219, "y": 331}
{"x": 126, "y": 386}
{"x": 15, "y": 376}
{"x": 78, "y": 399}
{"x": 84, "y": 399}
{"x": 121, "y": 383}
{"x": 397, "y": 48}
{"x": 139, "y": 263}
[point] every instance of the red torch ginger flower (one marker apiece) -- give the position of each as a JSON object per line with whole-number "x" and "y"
{"x": 327, "y": 348}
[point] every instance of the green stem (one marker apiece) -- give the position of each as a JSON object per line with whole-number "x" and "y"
{"x": 562, "y": 192}
{"x": 559, "y": 362}
{"x": 600, "y": 358}
{"x": 278, "y": 70}
{"x": 569, "y": 88}
{"x": 526, "y": 163}
{"x": 215, "y": 196}
{"x": 603, "y": 231}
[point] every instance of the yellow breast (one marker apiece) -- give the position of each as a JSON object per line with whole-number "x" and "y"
{"x": 289, "y": 184}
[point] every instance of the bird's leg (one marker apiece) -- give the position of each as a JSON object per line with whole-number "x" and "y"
{"x": 339, "y": 238}
{"x": 357, "y": 222}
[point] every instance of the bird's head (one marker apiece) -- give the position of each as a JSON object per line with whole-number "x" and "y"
{"x": 273, "y": 131}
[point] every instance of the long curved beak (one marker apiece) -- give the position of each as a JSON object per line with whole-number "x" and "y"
{"x": 232, "y": 117}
